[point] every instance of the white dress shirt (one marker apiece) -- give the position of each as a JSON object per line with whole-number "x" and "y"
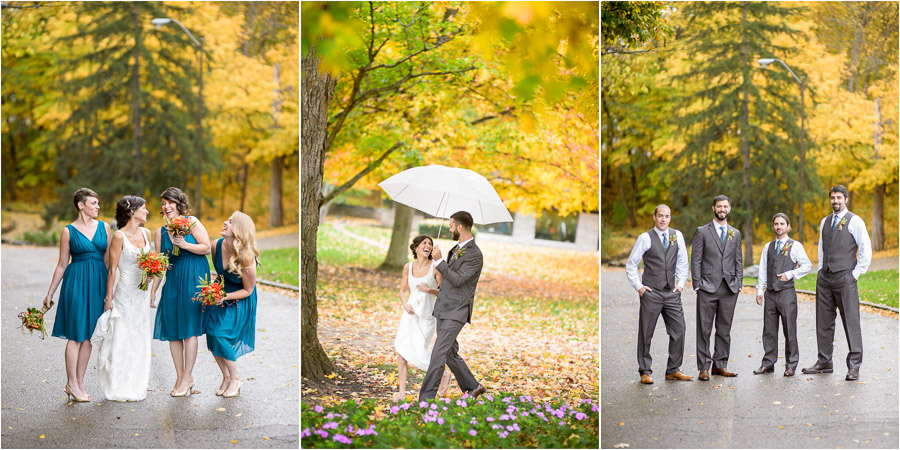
{"x": 641, "y": 247}
{"x": 797, "y": 254}
{"x": 857, "y": 229}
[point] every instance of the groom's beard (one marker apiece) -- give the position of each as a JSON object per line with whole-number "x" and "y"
{"x": 455, "y": 235}
{"x": 722, "y": 216}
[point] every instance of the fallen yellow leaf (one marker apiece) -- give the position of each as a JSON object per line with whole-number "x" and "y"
{"x": 621, "y": 423}
{"x": 220, "y": 409}
{"x": 781, "y": 427}
{"x": 41, "y": 436}
{"x": 234, "y": 442}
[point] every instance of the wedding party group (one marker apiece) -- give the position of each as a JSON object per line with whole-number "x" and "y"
{"x": 107, "y": 298}
{"x": 437, "y": 297}
{"x": 716, "y": 269}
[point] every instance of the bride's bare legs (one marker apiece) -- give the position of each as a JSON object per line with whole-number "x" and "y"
{"x": 402, "y": 373}
{"x": 445, "y": 383}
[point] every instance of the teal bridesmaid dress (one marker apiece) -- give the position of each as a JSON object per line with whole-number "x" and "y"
{"x": 83, "y": 286}
{"x": 177, "y": 316}
{"x": 231, "y": 329}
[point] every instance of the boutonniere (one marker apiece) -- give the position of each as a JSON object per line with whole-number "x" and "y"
{"x": 459, "y": 252}
{"x": 673, "y": 239}
{"x": 731, "y": 234}
{"x": 842, "y": 223}
{"x": 786, "y": 248}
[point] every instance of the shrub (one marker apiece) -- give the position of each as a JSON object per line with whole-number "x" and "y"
{"x": 489, "y": 422}
{"x": 41, "y": 237}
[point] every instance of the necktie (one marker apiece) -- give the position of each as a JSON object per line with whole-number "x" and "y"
{"x": 778, "y": 248}
{"x": 834, "y": 222}
{"x": 722, "y": 234}
{"x": 665, "y": 242}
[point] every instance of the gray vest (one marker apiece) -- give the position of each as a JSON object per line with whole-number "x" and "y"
{"x": 838, "y": 246}
{"x": 776, "y": 264}
{"x": 659, "y": 263}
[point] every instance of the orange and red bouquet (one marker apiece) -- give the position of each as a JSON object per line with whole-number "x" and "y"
{"x": 179, "y": 226}
{"x": 33, "y": 320}
{"x": 152, "y": 265}
{"x": 210, "y": 291}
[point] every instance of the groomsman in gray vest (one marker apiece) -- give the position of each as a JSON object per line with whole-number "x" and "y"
{"x": 783, "y": 261}
{"x": 717, "y": 272}
{"x": 665, "y": 272}
{"x": 844, "y": 254}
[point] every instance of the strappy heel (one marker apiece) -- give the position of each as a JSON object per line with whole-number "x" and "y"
{"x": 71, "y": 395}
{"x": 236, "y": 393}
{"x": 186, "y": 393}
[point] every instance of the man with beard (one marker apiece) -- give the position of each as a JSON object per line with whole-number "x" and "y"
{"x": 844, "y": 253}
{"x": 778, "y": 268}
{"x": 665, "y": 271}
{"x": 717, "y": 271}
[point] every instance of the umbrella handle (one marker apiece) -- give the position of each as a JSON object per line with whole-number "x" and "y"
{"x": 439, "y": 230}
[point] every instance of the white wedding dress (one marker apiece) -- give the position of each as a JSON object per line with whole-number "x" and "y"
{"x": 123, "y": 334}
{"x": 414, "y": 337}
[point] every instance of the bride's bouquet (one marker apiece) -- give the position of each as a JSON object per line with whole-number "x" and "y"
{"x": 179, "y": 226}
{"x": 33, "y": 320}
{"x": 211, "y": 291}
{"x": 152, "y": 265}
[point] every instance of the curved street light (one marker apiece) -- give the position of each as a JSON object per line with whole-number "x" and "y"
{"x": 763, "y": 62}
{"x": 159, "y": 22}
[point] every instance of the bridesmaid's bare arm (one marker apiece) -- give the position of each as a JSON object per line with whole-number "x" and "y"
{"x": 60, "y": 265}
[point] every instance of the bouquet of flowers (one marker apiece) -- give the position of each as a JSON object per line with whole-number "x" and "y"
{"x": 33, "y": 320}
{"x": 179, "y": 226}
{"x": 152, "y": 265}
{"x": 211, "y": 291}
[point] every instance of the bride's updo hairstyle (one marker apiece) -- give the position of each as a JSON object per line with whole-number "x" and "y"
{"x": 418, "y": 240}
{"x": 245, "y": 250}
{"x": 125, "y": 208}
{"x": 179, "y": 198}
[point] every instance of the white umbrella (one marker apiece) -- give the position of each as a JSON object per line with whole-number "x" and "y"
{"x": 441, "y": 191}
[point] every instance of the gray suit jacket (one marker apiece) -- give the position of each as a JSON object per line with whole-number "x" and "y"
{"x": 456, "y": 297}
{"x": 712, "y": 260}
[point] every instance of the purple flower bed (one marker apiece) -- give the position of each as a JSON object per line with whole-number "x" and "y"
{"x": 506, "y": 421}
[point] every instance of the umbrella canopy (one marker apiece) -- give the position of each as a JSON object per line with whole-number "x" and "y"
{"x": 441, "y": 191}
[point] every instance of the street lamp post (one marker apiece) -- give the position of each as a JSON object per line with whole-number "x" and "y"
{"x": 763, "y": 62}
{"x": 159, "y": 22}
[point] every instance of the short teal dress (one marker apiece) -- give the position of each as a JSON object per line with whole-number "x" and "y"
{"x": 177, "y": 316}
{"x": 83, "y": 286}
{"x": 231, "y": 329}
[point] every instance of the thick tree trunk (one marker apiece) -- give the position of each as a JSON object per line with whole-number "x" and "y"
{"x": 276, "y": 214}
{"x": 399, "y": 248}
{"x": 317, "y": 91}
{"x": 136, "y": 93}
{"x": 745, "y": 143}
{"x": 878, "y": 191}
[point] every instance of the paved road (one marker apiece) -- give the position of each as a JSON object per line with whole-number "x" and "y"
{"x": 815, "y": 411}
{"x": 278, "y": 241}
{"x": 33, "y": 375}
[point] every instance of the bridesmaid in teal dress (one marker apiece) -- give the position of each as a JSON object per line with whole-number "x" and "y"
{"x": 179, "y": 319}
{"x": 231, "y": 327}
{"x": 83, "y": 287}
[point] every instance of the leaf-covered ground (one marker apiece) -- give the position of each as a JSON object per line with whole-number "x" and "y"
{"x": 534, "y": 331}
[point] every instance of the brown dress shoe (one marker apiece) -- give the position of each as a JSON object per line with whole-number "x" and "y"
{"x": 763, "y": 370}
{"x": 679, "y": 376}
{"x": 788, "y": 372}
{"x": 476, "y": 392}
{"x": 704, "y": 375}
{"x": 645, "y": 379}
{"x": 852, "y": 375}
{"x": 723, "y": 372}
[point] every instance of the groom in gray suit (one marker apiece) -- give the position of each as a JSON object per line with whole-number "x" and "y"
{"x": 453, "y": 307}
{"x": 717, "y": 272}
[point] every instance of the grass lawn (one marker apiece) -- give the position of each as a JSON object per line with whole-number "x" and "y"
{"x": 875, "y": 287}
{"x": 281, "y": 265}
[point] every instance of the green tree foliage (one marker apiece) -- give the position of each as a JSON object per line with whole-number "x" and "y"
{"x": 628, "y": 25}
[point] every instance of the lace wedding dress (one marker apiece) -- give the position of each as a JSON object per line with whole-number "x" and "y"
{"x": 123, "y": 334}
{"x": 416, "y": 332}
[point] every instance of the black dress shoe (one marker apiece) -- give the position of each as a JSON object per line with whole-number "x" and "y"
{"x": 763, "y": 370}
{"x": 788, "y": 372}
{"x": 852, "y": 374}
{"x": 476, "y": 392}
{"x": 819, "y": 368}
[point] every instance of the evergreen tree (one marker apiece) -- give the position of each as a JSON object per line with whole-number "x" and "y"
{"x": 741, "y": 124}
{"x": 133, "y": 91}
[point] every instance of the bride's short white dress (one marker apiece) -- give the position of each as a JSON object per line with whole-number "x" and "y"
{"x": 123, "y": 334}
{"x": 414, "y": 337}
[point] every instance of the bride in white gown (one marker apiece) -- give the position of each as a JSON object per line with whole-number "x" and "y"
{"x": 125, "y": 329}
{"x": 418, "y": 289}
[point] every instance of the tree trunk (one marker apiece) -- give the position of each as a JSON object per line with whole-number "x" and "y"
{"x": 878, "y": 191}
{"x": 327, "y": 189}
{"x": 317, "y": 91}
{"x": 745, "y": 142}
{"x": 276, "y": 214}
{"x": 399, "y": 248}
{"x": 136, "y": 93}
